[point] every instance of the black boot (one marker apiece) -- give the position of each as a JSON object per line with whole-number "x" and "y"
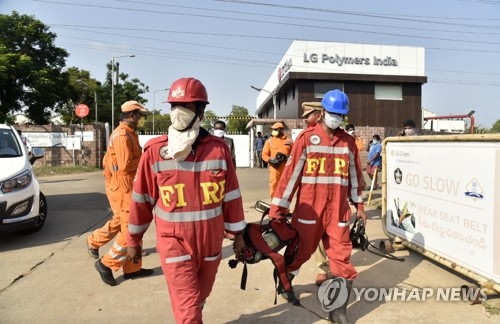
{"x": 338, "y": 315}
{"x": 290, "y": 295}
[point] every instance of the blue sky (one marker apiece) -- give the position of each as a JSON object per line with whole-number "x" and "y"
{"x": 232, "y": 44}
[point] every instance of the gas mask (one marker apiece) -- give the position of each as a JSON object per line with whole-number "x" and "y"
{"x": 333, "y": 121}
{"x": 219, "y": 133}
{"x": 182, "y": 117}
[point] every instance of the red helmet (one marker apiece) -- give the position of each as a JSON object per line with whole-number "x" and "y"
{"x": 187, "y": 90}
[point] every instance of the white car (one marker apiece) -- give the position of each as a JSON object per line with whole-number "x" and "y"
{"x": 23, "y": 206}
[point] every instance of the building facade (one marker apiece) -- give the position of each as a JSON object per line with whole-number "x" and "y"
{"x": 384, "y": 83}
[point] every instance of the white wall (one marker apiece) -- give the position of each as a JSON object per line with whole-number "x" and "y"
{"x": 442, "y": 125}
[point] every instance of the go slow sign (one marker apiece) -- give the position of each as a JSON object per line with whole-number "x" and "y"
{"x": 82, "y": 110}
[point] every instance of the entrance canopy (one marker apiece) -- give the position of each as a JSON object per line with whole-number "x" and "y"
{"x": 267, "y": 121}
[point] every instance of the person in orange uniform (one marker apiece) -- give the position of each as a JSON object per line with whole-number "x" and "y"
{"x": 351, "y": 130}
{"x": 276, "y": 151}
{"x": 326, "y": 171}
{"x": 120, "y": 164}
{"x": 187, "y": 181}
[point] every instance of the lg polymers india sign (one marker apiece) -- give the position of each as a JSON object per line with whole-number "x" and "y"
{"x": 329, "y": 57}
{"x": 443, "y": 195}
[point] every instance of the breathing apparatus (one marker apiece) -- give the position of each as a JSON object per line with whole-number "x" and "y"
{"x": 264, "y": 241}
{"x": 359, "y": 240}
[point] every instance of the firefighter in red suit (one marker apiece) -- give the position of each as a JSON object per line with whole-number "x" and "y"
{"x": 187, "y": 181}
{"x": 325, "y": 170}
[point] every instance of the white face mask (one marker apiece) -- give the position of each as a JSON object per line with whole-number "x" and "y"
{"x": 181, "y": 117}
{"x": 180, "y": 142}
{"x": 219, "y": 132}
{"x": 351, "y": 132}
{"x": 375, "y": 141}
{"x": 408, "y": 131}
{"x": 332, "y": 121}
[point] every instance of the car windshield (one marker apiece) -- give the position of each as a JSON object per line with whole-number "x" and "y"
{"x": 9, "y": 146}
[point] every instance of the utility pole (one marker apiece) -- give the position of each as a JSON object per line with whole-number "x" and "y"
{"x": 113, "y": 88}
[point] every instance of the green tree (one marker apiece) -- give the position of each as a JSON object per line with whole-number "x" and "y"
{"x": 238, "y": 120}
{"x": 82, "y": 89}
{"x": 209, "y": 120}
{"x": 124, "y": 90}
{"x": 31, "y": 69}
{"x": 162, "y": 123}
{"x": 496, "y": 126}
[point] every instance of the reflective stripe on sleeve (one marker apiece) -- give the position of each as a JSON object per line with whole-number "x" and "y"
{"x": 280, "y": 202}
{"x": 235, "y": 227}
{"x": 232, "y": 195}
{"x": 178, "y": 259}
{"x": 297, "y": 171}
{"x": 189, "y": 216}
{"x": 354, "y": 180}
{"x": 137, "y": 229}
{"x": 142, "y": 198}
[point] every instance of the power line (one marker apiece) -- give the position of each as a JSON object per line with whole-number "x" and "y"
{"x": 79, "y": 28}
{"x": 353, "y": 13}
{"x": 204, "y": 56}
{"x": 281, "y": 16}
{"x": 276, "y": 23}
{"x": 213, "y": 58}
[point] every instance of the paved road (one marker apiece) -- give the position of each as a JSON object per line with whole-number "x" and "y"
{"x": 48, "y": 277}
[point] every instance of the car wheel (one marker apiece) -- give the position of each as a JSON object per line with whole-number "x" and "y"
{"x": 42, "y": 215}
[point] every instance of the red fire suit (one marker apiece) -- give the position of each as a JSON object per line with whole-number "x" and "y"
{"x": 193, "y": 202}
{"x": 273, "y": 145}
{"x": 122, "y": 159}
{"x": 326, "y": 174}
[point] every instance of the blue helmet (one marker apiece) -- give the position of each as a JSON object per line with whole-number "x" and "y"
{"x": 335, "y": 101}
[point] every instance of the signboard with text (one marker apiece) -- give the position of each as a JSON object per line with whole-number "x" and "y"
{"x": 46, "y": 139}
{"x": 441, "y": 197}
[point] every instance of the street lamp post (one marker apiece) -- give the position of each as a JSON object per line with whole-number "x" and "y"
{"x": 273, "y": 93}
{"x": 154, "y": 96}
{"x": 113, "y": 88}
{"x": 95, "y": 97}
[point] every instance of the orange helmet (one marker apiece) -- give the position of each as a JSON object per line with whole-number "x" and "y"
{"x": 187, "y": 90}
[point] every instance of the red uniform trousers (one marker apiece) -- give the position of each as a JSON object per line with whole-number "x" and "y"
{"x": 336, "y": 240}
{"x": 190, "y": 257}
